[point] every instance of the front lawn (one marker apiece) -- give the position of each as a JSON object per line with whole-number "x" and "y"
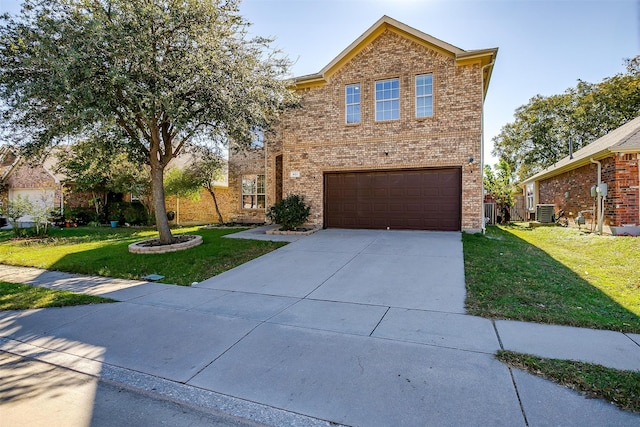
{"x": 554, "y": 275}
{"x": 103, "y": 251}
{"x": 15, "y": 296}
{"x": 622, "y": 388}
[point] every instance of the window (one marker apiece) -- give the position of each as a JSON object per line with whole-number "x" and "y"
{"x": 424, "y": 95}
{"x": 258, "y": 137}
{"x": 387, "y": 100}
{"x": 530, "y": 197}
{"x": 352, "y": 103}
{"x": 253, "y": 192}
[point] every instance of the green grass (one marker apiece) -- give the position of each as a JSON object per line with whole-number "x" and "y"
{"x": 622, "y": 388}
{"x": 103, "y": 251}
{"x": 23, "y": 297}
{"x": 554, "y": 275}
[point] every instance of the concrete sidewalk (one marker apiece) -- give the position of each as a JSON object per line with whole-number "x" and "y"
{"x": 351, "y": 327}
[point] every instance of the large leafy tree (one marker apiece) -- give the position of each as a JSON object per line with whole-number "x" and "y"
{"x": 159, "y": 74}
{"x": 539, "y": 135}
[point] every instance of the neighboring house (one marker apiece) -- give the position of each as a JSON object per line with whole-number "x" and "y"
{"x": 389, "y": 136}
{"x": 568, "y": 184}
{"x": 38, "y": 183}
{"x": 41, "y": 183}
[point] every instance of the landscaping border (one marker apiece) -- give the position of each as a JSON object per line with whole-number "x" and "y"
{"x": 139, "y": 248}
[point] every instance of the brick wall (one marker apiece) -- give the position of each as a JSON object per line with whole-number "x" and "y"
{"x": 315, "y": 139}
{"x": 621, "y": 174}
{"x": 571, "y": 190}
{"x": 202, "y": 210}
{"x": 247, "y": 162}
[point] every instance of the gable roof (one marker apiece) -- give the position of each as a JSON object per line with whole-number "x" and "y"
{"x": 625, "y": 139}
{"x": 483, "y": 56}
{"x": 8, "y": 160}
{"x": 11, "y": 160}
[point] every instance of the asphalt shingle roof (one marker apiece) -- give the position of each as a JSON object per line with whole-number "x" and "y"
{"x": 626, "y": 138}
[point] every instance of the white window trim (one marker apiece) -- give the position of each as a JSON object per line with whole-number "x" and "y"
{"x": 257, "y": 193}
{"x": 375, "y": 84}
{"x": 347, "y": 104}
{"x": 423, "y": 96}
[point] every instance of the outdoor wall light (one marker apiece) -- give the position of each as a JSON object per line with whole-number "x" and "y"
{"x": 471, "y": 159}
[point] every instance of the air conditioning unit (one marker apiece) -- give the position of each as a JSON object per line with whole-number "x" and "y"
{"x": 544, "y": 213}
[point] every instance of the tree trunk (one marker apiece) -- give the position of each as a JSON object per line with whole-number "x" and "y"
{"x": 157, "y": 190}
{"x": 215, "y": 203}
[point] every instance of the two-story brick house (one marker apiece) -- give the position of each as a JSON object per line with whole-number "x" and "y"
{"x": 389, "y": 135}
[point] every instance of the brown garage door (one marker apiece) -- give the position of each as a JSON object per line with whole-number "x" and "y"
{"x": 422, "y": 199}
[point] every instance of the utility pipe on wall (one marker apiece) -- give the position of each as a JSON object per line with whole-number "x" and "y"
{"x": 599, "y": 199}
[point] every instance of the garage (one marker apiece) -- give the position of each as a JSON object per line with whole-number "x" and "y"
{"x": 37, "y": 197}
{"x": 416, "y": 199}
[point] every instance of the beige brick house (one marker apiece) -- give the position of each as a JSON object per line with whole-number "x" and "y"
{"x": 389, "y": 135}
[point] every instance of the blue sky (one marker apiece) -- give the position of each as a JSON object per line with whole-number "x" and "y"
{"x": 545, "y": 46}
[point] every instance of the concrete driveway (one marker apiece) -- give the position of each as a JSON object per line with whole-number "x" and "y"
{"x": 354, "y": 327}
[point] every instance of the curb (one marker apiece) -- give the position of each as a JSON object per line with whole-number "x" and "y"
{"x": 164, "y": 389}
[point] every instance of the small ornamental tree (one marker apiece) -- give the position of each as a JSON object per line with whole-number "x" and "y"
{"x": 15, "y": 209}
{"x": 40, "y": 212}
{"x": 207, "y": 169}
{"x": 290, "y": 213}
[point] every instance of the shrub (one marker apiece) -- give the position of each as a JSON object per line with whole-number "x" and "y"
{"x": 290, "y": 212}
{"x": 81, "y": 216}
{"x": 114, "y": 211}
{"x": 135, "y": 214}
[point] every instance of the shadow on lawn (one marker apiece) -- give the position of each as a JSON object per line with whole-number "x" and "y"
{"x": 509, "y": 278}
{"x": 214, "y": 256}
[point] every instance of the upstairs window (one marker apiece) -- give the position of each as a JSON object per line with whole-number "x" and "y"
{"x": 424, "y": 95}
{"x": 352, "y": 103}
{"x": 258, "y": 137}
{"x": 253, "y": 194}
{"x": 387, "y": 100}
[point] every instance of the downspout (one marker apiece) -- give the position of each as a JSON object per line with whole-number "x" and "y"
{"x": 490, "y": 64}
{"x": 599, "y": 199}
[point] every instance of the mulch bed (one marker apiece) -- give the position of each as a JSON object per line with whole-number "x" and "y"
{"x": 176, "y": 239}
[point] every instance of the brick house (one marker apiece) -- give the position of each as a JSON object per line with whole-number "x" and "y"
{"x": 37, "y": 182}
{"x": 389, "y": 135}
{"x": 567, "y": 184}
{"x": 41, "y": 183}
